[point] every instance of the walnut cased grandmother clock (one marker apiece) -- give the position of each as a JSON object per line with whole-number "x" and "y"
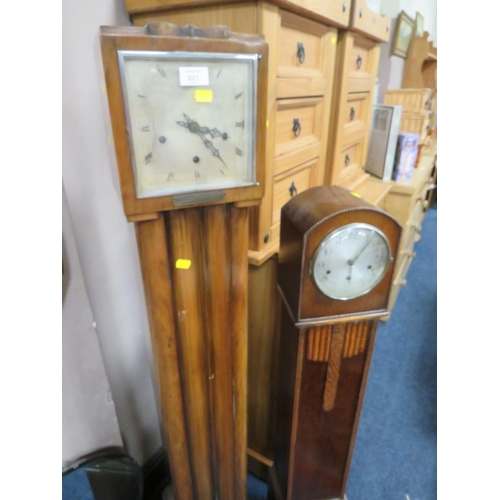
{"x": 335, "y": 269}
{"x": 187, "y": 106}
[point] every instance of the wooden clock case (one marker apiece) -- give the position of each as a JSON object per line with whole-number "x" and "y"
{"x": 325, "y": 348}
{"x": 194, "y": 260}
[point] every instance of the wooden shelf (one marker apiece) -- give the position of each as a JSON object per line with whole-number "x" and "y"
{"x": 421, "y": 64}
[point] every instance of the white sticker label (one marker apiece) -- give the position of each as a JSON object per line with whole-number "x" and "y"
{"x": 193, "y": 76}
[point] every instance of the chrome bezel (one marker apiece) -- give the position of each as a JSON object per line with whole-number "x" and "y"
{"x": 252, "y": 59}
{"x": 332, "y": 235}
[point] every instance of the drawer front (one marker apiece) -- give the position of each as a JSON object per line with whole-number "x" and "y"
{"x": 356, "y": 112}
{"x": 362, "y": 65}
{"x": 349, "y": 161}
{"x": 336, "y": 10}
{"x": 298, "y": 124}
{"x": 300, "y": 47}
{"x": 287, "y": 185}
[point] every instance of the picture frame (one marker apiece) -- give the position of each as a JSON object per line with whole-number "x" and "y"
{"x": 419, "y": 24}
{"x": 402, "y": 37}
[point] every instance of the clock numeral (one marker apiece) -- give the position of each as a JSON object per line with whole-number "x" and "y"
{"x": 145, "y": 129}
{"x": 218, "y": 73}
{"x": 140, "y": 95}
{"x": 240, "y": 124}
{"x": 170, "y": 177}
{"x": 148, "y": 158}
{"x": 237, "y": 96}
{"x": 161, "y": 71}
{"x": 196, "y": 175}
{"x": 239, "y": 152}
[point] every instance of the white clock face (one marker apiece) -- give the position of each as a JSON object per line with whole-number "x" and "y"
{"x": 190, "y": 120}
{"x": 351, "y": 261}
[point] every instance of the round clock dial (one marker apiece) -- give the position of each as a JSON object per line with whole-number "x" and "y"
{"x": 190, "y": 120}
{"x": 350, "y": 261}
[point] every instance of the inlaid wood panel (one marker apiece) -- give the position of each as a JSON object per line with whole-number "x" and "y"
{"x": 318, "y": 343}
{"x": 355, "y": 338}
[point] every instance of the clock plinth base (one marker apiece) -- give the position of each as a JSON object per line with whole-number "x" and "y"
{"x": 195, "y": 271}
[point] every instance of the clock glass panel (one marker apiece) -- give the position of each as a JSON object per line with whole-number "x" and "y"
{"x": 351, "y": 261}
{"x": 190, "y": 120}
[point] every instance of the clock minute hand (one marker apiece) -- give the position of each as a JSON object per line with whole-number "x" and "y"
{"x": 352, "y": 261}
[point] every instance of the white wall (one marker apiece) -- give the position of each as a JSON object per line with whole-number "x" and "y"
{"x": 390, "y": 72}
{"x": 106, "y": 242}
{"x": 89, "y": 420}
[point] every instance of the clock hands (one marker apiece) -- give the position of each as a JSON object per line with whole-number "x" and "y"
{"x": 209, "y": 145}
{"x": 195, "y": 128}
{"x": 352, "y": 261}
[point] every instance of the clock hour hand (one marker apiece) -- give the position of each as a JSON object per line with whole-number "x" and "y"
{"x": 214, "y": 133}
{"x": 209, "y": 145}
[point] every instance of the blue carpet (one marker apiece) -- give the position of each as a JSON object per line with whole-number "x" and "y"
{"x": 395, "y": 454}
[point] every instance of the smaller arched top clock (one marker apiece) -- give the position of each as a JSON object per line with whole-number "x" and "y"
{"x": 335, "y": 270}
{"x": 337, "y": 254}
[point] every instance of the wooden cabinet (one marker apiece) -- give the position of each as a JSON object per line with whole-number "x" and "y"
{"x": 407, "y": 203}
{"x": 357, "y": 63}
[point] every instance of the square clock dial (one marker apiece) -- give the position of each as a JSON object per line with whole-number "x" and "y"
{"x": 190, "y": 120}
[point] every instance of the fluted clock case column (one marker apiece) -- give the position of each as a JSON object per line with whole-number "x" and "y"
{"x": 335, "y": 270}
{"x": 187, "y": 106}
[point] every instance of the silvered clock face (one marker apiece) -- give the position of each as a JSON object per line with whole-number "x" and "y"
{"x": 351, "y": 261}
{"x": 190, "y": 120}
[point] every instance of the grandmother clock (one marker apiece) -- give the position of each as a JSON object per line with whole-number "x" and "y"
{"x": 335, "y": 268}
{"x": 186, "y": 106}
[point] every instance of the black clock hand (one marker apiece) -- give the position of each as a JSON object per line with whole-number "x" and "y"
{"x": 352, "y": 261}
{"x": 209, "y": 145}
{"x": 195, "y": 128}
{"x": 214, "y": 133}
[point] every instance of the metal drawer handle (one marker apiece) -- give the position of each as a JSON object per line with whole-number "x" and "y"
{"x": 344, "y": 7}
{"x": 296, "y": 127}
{"x": 359, "y": 60}
{"x": 301, "y": 52}
{"x": 346, "y": 160}
{"x": 351, "y": 114}
{"x": 293, "y": 190}
{"x": 360, "y": 12}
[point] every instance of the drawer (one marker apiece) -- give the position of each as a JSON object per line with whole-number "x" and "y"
{"x": 356, "y": 112}
{"x": 298, "y": 124}
{"x": 300, "y": 47}
{"x": 350, "y": 159}
{"x": 335, "y": 10}
{"x": 362, "y": 65}
{"x": 289, "y": 184}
